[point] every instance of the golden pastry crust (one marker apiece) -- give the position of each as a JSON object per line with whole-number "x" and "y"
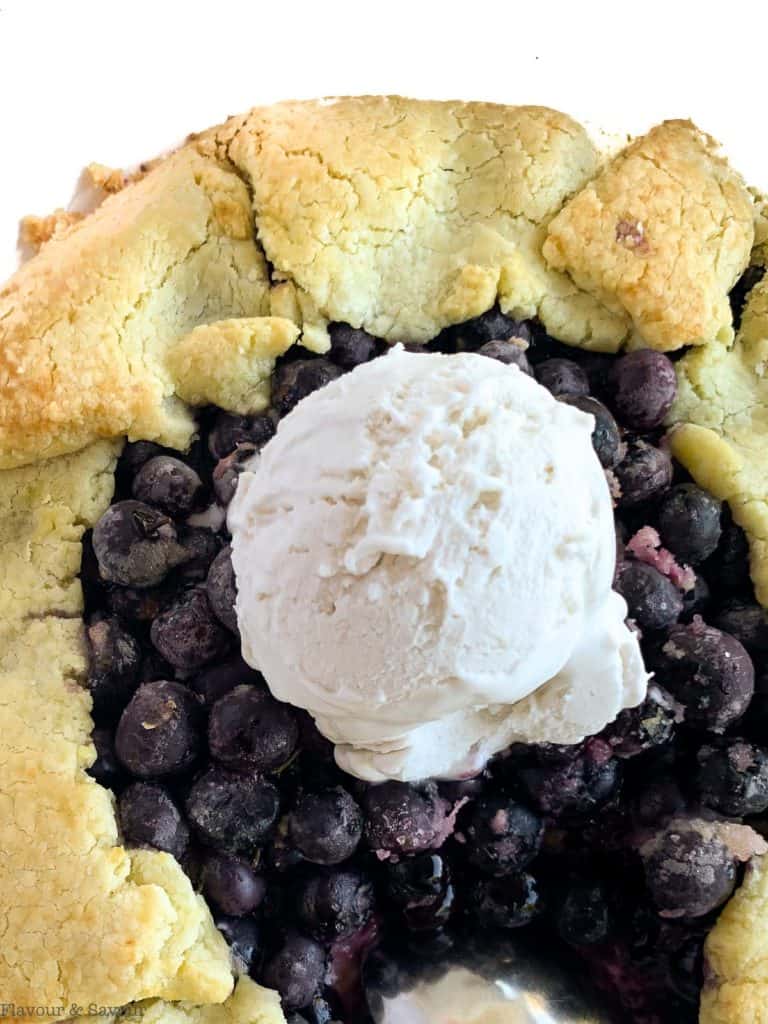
{"x": 722, "y": 417}
{"x": 248, "y": 1004}
{"x": 85, "y": 325}
{"x": 661, "y": 236}
{"x": 229, "y": 363}
{"x": 83, "y": 920}
{"x": 404, "y": 216}
{"x": 736, "y": 967}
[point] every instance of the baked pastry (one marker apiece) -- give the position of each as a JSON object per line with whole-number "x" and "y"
{"x": 341, "y": 226}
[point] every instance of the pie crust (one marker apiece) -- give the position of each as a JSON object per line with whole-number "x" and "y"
{"x": 396, "y": 215}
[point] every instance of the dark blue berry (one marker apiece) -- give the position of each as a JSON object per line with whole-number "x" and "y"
{"x": 638, "y": 730}
{"x": 295, "y": 380}
{"x": 136, "y": 545}
{"x": 187, "y": 633}
{"x": 709, "y": 672}
{"x": 401, "y": 818}
{"x": 114, "y": 660}
{"x": 728, "y": 567}
{"x": 689, "y": 872}
{"x": 136, "y": 453}
{"x": 583, "y": 916}
{"x": 333, "y": 904}
{"x": 296, "y": 971}
{"x": 168, "y": 484}
{"x": 244, "y": 939}
{"x": 351, "y": 346}
{"x": 221, "y": 588}
{"x": 505, "y": 902}
{"x": 201, "y": 545}
{"x": 697, "y": 600}
{"x": 493, "y": 325}
{"x": 138, "y": 604}
{"x": 689, "y": 522}
{"x": 106, "y": 769}
{"x": 420, "y": 887}
{"x": 149, "y": 818}
{"x": 643, "y": 386}
{"x": 562, "y": 377}
{"x": 502, "y": 836}
{"x": 606, "y": 439}
{"x": 644, "y": 473}
{"x": 227, "y": 471}
{"x": 231, "y": 811}
{"x": 576, "y": 785}
{"x": 732, "y": 778}
{"x": 326, "y": 827}
{"x": 745, "y": 620}
{"x": 652, "y": 600}
{"x": 216, "y": 680}
{"x": 231, "y": 884}
{"x": 159, "y": 731}
{"x": 511, "y": 353}
{"x": 251, "y": 731}
{"x": 231, "y": 430}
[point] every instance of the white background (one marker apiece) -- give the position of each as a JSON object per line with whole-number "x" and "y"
{"x": 117, "y": 82}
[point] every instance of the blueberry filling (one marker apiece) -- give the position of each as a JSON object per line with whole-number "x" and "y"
{"x": 311, "y": 873}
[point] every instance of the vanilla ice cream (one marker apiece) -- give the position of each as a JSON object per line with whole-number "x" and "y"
{"x": 424, "y": 555}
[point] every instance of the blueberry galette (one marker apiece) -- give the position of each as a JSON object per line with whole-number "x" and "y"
{"x": 176, "y": 841}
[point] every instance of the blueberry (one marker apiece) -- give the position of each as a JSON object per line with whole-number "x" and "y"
{"x": 562, "y": 377}
{"x": 149, "y": 818}
{"x": 606, "y": 439}
{"x": 230, "y": 430}
{"x": 511, "y": 353}
{"x": 745, "y": 620}
{"x": 250, "y": 731}
{"x": 136, "y": 453}
{"x": 231, "y": 884}
{"x": 576, "y": 785}
{"x": 689, "y": 523}
{"x": 401, "y": 818}
{"x": 231, "y": 811}
{"x": 732, "y": 778}
{"x": 168, "y": 484}
{"x": 333, "y": 904}
{"x": 243, "y": 937}
{"x": 351, "y": 346}
{"x": 645, "y": 472}
{"x": 688, "y": 873}
{"x": 640, "y": 729}
{"x": 295, "y": 380}
{"x": 201, "y": 545}
{"x": 583, "y": 916}
{"x": 216, "y": 680}
{"x": 502, "y": 836}
{"x": 227, "y": 471}
{"x": 106, "y": 769}
{"x": 493, "y": 325}
{"x": 326, "y": 827}
{"x": 158, "y": 733}
{"x": 221, "y": 588}
{"x": 709, "y": 672}
{"x": 187, "y": 633}
{"x": 138, "y": 604}
{"x": 136, "y": 546}
{"x": 644, "y": 386}
{"x": 755, "y": 722}
{"x": 296, "y": 971}
{"x": 652, "y": 600}
{"x": 420, "y": 887}
{"x": 114, "y": 660}
{"x": 728, "y": 567}
{"x": 505, "y": 902}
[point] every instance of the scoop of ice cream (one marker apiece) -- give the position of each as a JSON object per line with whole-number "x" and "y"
{"x": 424, "y": 555}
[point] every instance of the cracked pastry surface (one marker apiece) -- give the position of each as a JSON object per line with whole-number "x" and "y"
{"x": 661, "y": 237}
{"x": 722, "y": 412}
{"x": 400, "y": 216}
{"x": 83, "y": 919}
